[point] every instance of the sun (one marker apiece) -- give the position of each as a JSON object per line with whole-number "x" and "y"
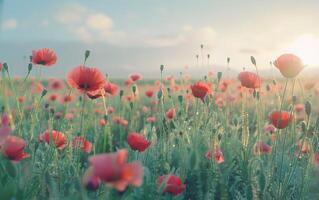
{"x": 307, "y": 48}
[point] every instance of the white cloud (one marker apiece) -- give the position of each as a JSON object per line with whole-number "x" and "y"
{"x": 99, "y": 21}
{"x": 10, "y": 24}
{"x": 89, "y": 26}
{"x": 71, "y": 14}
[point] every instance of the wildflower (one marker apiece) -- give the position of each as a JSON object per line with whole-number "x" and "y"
{"x": 170, "y": 184}
{"x": 217, "y": 153}
{"x": 58, "y": 138}
{"x": 261, "y": 148}
{"x": 13, "y": 148}
{"x": 289, "y": 65}
{"x": 137, "y": 142}
{"x": 149, "y": 93}
{"x": 44, "y": 56}
{"x": 200, "y": 90}
{"x": 111, "y": 88}
{"x": 112, "y": 169}
{"x": 249, "y": 80}
{"x": 81, "y": 142}
{"x": 86, "y": 79}
{"x": 280, "y": 119}
{"x": 170, "y": 114}
{"x": 135, "y": 77}
{"x": 151, "y": 119}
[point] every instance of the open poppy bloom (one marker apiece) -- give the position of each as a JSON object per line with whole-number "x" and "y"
{"x": 13, "y": 148}
{"x": 58, "y": 138}
{"x": 81, "y": 142}
{"x": 170, "y": 114}
{"x": 151, "y": 119}
{"x": 111, "y": 88}
{"x": 261, "y": 148}
{"x": 289, "y": 65}
{"x": 200, "y": 90}
{"x": 137, "y": 142}
{"x": 56, "y": 84}
{"x": 44, "y": 56}
{"x": 86, "y": 79}
{"x": 170, "y": 184}
{"x": 149, "y": 93}
{"x": 112, "y": 169}
{"x": 95, "y": 94}
{"x": 280, "y": 119}
{"x": 135, "y": 77}
{"x": 217, "y": 153}
{"x": 249, "y": 80}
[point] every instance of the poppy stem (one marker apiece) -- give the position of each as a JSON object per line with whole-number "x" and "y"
{"x": 82, "y": 113}
{"x": 283, "y": 96}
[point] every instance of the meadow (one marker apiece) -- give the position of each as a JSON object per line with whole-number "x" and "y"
{"x": 89, "y": 136}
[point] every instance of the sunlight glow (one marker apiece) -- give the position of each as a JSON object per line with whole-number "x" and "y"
{"x": 307, "y": 48}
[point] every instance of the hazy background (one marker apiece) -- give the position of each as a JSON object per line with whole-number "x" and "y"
{"x": 127, "y": 36}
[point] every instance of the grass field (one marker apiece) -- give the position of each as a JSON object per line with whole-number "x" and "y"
{"x": 91, "y": 137}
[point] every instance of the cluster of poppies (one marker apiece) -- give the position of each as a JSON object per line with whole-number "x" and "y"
{"x": 112, "y": 168}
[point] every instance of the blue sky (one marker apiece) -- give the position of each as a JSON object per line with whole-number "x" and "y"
{"x": 139, "y": 35}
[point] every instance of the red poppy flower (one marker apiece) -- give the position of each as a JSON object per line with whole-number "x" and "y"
{"x": 137, "y": 142}
{"x": 299, "y": 107}
{"x": 170, "y": 184}
{"x": 112, "y": 169}
{"x": 102, "y": 122}
{"x": 13, "y": 148}
{"x": 44, "y": 56}
{"x": 58, "y": 138}
{"x": 262, "y": 148}
{"x": 36, "y": 88}
{"x": 217, "y": 153}
{"x": 303, "y": 147}
{"x": 316, "y": 159}
{"x": 200, "y": 90}
{"x": 249, "y": 80}
{"x": 111, "y": 88}
{"x": 56, "y": 84}
{"x": 86, "y": 79}
{"x": 149, "y": 93}
{"x": 151, "y": 119}
{"x": 90, "y": 181}
{"x": 21, "y": 99}
{"x": 135, "y": 77}
{"x": 128, "y": 82}
{"x": 69, "y": 116}
{"x": 66, "y": 99}
{"x": 81, "y": 142}
{"x": 95, "y": 94}
{"x": 170, "y": 114}
{"x": 289, "y": 65}
{"x": 280, "y": 119}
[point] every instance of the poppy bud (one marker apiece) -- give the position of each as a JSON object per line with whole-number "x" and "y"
{"x": 6, "y": 67}
{"x": 30, "y": 67}
{"x": 44, "y": 92}
{"x": 219, "y": 75}
{"x": 308, "y": 108}
{"x": 134, "y": 89}
{"x": 162, "y": 67}
{"x": 180, "y": 99}
{"x": 87, "y": 54}
{"x": 253, "y": 60}
{"x": 121, "y": 93}
{"x": 159, "y": 94}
